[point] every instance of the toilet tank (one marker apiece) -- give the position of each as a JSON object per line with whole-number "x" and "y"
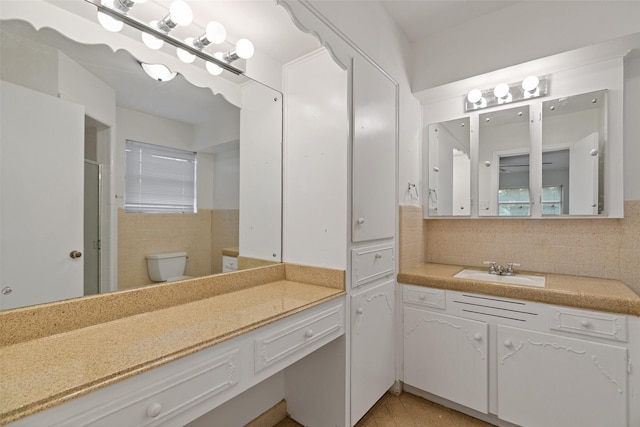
{"x": 166, "y": 265}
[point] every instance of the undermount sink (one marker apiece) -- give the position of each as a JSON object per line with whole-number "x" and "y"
{"x": 518, "y": 279}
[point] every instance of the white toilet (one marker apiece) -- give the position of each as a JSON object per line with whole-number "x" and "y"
{"x": 167, "y": 267}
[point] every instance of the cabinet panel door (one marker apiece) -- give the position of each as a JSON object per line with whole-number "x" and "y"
{"x": 447, "y": 356}
{"x": 372, "y": 347}
{"x": 549, "y": 380}
{"x": 374, "y": 153}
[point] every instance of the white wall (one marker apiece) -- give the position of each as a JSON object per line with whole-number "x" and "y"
{"x": 525, "y": 31}
{"x": 632, "y": 129}
{"x": 316, "y": 150}
{"x": 369, "y": 26}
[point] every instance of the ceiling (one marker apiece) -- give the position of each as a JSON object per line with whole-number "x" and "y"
{"x": 419, "y": 19}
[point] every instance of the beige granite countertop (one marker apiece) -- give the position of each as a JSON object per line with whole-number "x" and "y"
{"x": 42, "y": 372}
{"x": 574, "y": 291}
{"x": 232, "y": 252}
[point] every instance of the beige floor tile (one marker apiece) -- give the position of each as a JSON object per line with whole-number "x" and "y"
{"x": 407, "y": 410}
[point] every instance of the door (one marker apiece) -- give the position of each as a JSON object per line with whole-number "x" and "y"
{"x": 374, "y": 153}
{"x": 447, "y": 356}
{"x": 549, "y": 380}
{"x": 372, "y": 347}
{"x": 92, "y": 244}
{"x": 41, "y": 200}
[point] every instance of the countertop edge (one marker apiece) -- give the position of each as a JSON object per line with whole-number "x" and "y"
{"x": 603, "y": 302}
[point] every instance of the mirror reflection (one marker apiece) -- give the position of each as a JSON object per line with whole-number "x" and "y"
{"x": 449, "y": 168}
{"x": 573, "y": 144}
{"x": 503, "y": 156}
{"x": 67, "y": 110}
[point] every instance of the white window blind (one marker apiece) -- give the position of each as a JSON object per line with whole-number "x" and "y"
{"x": 159, "y": 179}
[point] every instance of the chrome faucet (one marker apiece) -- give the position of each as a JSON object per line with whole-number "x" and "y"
{"x": 500, "y": 270}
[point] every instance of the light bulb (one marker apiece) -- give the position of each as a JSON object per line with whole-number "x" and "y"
{"x": 216, "y": 32}
{"x": 475, "y": 96}
{"x": 109, "y": 23}
{"x": 501, "y": 91}
{"x": 158, "y": 72}
{"x": 244, "y": 49}
{"x": 185, "y": 56}
{"x": 181, "y": 13}
{"x": 530, "y": 84}
{"x": 213, "y": 68}
{"x": 150, "y": 41}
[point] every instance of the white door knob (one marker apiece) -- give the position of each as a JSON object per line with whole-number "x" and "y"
{"x": 360, "y": 221}
{"x": 154, "y": 410}
{"x": 360, "y": 310}
{"x": 508, "y": 343}
{"x": 477, "y": 336}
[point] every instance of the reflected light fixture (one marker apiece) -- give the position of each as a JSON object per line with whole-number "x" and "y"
{"x": 158, "y": 72}
{"x": 503, "y": 93}
{"x": 113, "y": 14}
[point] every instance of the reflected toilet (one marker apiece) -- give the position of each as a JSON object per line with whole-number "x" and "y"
{"x": 167, "y": 267}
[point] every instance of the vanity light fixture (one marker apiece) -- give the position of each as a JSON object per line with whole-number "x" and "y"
{"x": 113, "y": 14}
{"x": 503, "y": 93}
{"x": 215, "y": 33}
{"x": 158, "y": 72}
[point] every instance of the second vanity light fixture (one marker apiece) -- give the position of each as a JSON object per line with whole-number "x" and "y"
{"x": 503, "y": 93}
{"x": 113, "y": 14}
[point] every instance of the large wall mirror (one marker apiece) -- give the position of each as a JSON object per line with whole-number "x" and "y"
{"x": 67, "y": 109}
{"x": 574, "y": 136}
{"x": 449, "y": 147}
{"x": 503, "y": 163}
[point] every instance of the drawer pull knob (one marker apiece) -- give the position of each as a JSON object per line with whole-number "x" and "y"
{"x": 360, "y": 310}
{"x": 154, "y": 410}
{"x": 378, "y": 255}
{"x": 423, "y": 297}
{"x": 309, "y": 333}
{"x": 508, "y": 343}
{"x": 585, "y": 324}
{"x": 360, "y": 221}
{"x": 477, "y": 336}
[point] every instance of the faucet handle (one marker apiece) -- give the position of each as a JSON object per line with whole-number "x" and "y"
{"x": 492, "y": 266}
{"x": 510, "y": 266}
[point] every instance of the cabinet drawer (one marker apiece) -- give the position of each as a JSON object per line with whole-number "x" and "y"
{"x": 371, "y": 263}
{"x": 426, "y": 297}
{"x": 167, "y": 398}
{"x": 594, "y": 324}
{"x": 290, "y": 339}
{"x": 229, "y": 263}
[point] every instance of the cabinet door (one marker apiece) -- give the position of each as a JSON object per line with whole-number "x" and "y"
{"x": 374, "y": 153}
{"x": 548, "y": 380}
{"x": 447, "y": 356}
{"x": 372, "y": 347}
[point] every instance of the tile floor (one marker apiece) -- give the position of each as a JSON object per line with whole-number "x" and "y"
{"x": 407, "y": 410}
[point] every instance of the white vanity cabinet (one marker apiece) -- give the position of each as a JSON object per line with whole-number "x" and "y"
{"x": 521, "y": 362}
{"x": 372, "y": 346}
{"x": 178, "y": 392}
{"x": 547, "y": 380}
{"x": 442, "y": 352}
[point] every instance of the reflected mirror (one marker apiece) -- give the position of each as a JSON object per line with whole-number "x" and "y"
{"x": 67, "y": 110}
{"x": 574, "y": 136}
{"x": 449, "y": 191}
{"x": 503, "y": 169}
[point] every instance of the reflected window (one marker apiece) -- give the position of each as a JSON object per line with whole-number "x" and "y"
{"x": 514, "y": 202}
{"x": 552, "y": 200}
{"x": 159, "y": 179}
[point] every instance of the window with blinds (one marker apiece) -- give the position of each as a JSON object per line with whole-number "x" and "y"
{"x": 159, "y": 179}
